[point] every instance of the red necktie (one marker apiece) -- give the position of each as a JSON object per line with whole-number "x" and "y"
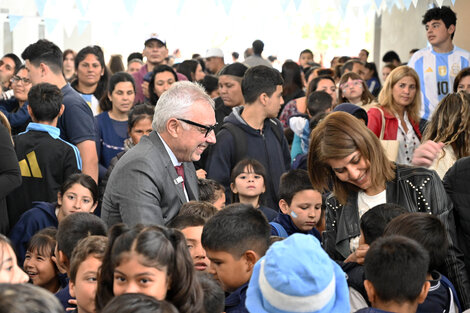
{"x": 180, "y": 171}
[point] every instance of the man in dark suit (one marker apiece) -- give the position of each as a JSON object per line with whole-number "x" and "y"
{"x": 152, "y": 180}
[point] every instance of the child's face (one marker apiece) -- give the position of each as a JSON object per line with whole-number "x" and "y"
{"x": 229, "y": 271}
{"x": 131, "y": 276}
{"x": 84, "y": 287}
{"x": 304, "y": 210}
{"x": 198, "y": 254}
{"x": 40, "y": 269}
{"x": 352, "y": 89}
{"x": 10, "y": 272}
{"x": 220, "y": 202}
{"x": 76, "y": 199}
{"x": 248, "y": 184}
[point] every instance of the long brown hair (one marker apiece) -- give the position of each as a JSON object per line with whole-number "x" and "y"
{"x": 336, "y": 137}
{"x": 450, "y": 123}
{"x": 386, "y": 94}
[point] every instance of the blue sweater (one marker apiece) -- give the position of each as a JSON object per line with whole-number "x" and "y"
{"x": 110, "y": 139}
{"x": 40, "y": 216}
{"x": 285, "y": 221}
{"x": 235, "y": 302}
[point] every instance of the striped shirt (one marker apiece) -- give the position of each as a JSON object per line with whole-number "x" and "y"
{"x": 436, "y": 73}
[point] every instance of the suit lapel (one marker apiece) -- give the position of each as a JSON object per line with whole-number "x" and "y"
{"x": 177, "y": 185}
{"x": 170, "y": 169}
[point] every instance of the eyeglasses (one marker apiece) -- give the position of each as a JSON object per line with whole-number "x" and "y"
{"x": 17, "y": 79}
{"x": 351, "y": 84}
{"x": 207, "y": 129}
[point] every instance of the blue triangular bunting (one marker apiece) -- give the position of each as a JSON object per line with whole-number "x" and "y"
{"x": 51, "y": 24}
{"x": 14, "y": 20}
{"x": 40, "y": 5}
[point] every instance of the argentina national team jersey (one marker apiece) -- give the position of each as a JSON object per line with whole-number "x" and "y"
{"x": 436, "y": 73}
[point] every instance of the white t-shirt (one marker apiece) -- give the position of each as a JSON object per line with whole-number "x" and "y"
{"x": 364, "y": 204}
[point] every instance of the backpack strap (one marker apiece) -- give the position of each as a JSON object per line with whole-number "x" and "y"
{"x": 239, "y": 139}
{"x": 277, "y": 129}
{"x": 281, "y": 232}
{"x": 446, "y": 282}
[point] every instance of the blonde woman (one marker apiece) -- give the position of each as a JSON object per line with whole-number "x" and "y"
{"x": 399, "y": 104}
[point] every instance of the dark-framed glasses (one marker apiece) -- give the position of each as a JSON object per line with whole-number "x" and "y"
{"x": 207, "y": 128}
{"x": 17, "y": 79}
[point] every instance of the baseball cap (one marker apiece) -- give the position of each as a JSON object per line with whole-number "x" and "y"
{"x": 155, "y": 36}
{"x": 214, "y": 52}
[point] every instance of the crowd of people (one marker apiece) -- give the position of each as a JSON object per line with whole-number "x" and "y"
{"x": 202, "y": 186}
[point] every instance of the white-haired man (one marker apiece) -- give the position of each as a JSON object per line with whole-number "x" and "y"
{"x": 152, "y": 180}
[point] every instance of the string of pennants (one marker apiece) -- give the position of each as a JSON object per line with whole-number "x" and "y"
{"x": 73, "y": 13}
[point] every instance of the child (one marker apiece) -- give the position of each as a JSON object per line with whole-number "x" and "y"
{"x": 45, "y": 159}
{"x": 71, "y": 230}
{"x": 214, "y": 297}
{"x": 395, "y": 268}
{"x": 212, "y": 192}
{"x": 300, "y": 206}
{"x": 429, "y": 231}
{"x": 198, "y": 208}
{"x": 38, "y": 263}
{"x": 152, "y": 260}
{"x": 10, "y": 272}
{"x": 26, "y": 298}
{"x": 235, "y": 239}
{"x": 317, "y": 102}
{"x": 138, "y": 303}
{"x": 247, "y": 183}
{"x": 353, "y": 89}
{"x": 79, "y": 193}
{"x": 86, "y": 260}
{"x": 372, "y": 226}
{"x": 191, "y": 226}
{"x": 296, "y": 273}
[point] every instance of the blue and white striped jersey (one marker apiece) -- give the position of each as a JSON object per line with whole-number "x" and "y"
{"x": 436, "y": 73}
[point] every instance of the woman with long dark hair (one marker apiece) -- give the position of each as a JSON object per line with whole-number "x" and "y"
{"x": 92, "y": 76}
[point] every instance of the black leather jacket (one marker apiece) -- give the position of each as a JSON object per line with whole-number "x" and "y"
{"x": 416, "y": 189}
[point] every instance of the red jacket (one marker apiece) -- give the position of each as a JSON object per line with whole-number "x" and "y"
{"x": 391, "y": 124}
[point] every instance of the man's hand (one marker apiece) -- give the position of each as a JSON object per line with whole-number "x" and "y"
{"x": 426, "y": 153}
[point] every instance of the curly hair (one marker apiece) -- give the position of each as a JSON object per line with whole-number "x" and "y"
{"x": 450, "y": 124}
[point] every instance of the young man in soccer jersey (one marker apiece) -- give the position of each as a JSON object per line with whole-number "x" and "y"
{"x": 438, "y": 64}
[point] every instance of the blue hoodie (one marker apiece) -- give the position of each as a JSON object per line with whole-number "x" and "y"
{"x": 285, "y": 221}
{"x": 40, "y": 216}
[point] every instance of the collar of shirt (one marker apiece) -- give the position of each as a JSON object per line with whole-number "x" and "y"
{"x": 173, "y": 158}
{"x": 54, "y": 132}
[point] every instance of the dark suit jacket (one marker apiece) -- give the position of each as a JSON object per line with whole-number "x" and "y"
{"x": 142, "y": 187}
